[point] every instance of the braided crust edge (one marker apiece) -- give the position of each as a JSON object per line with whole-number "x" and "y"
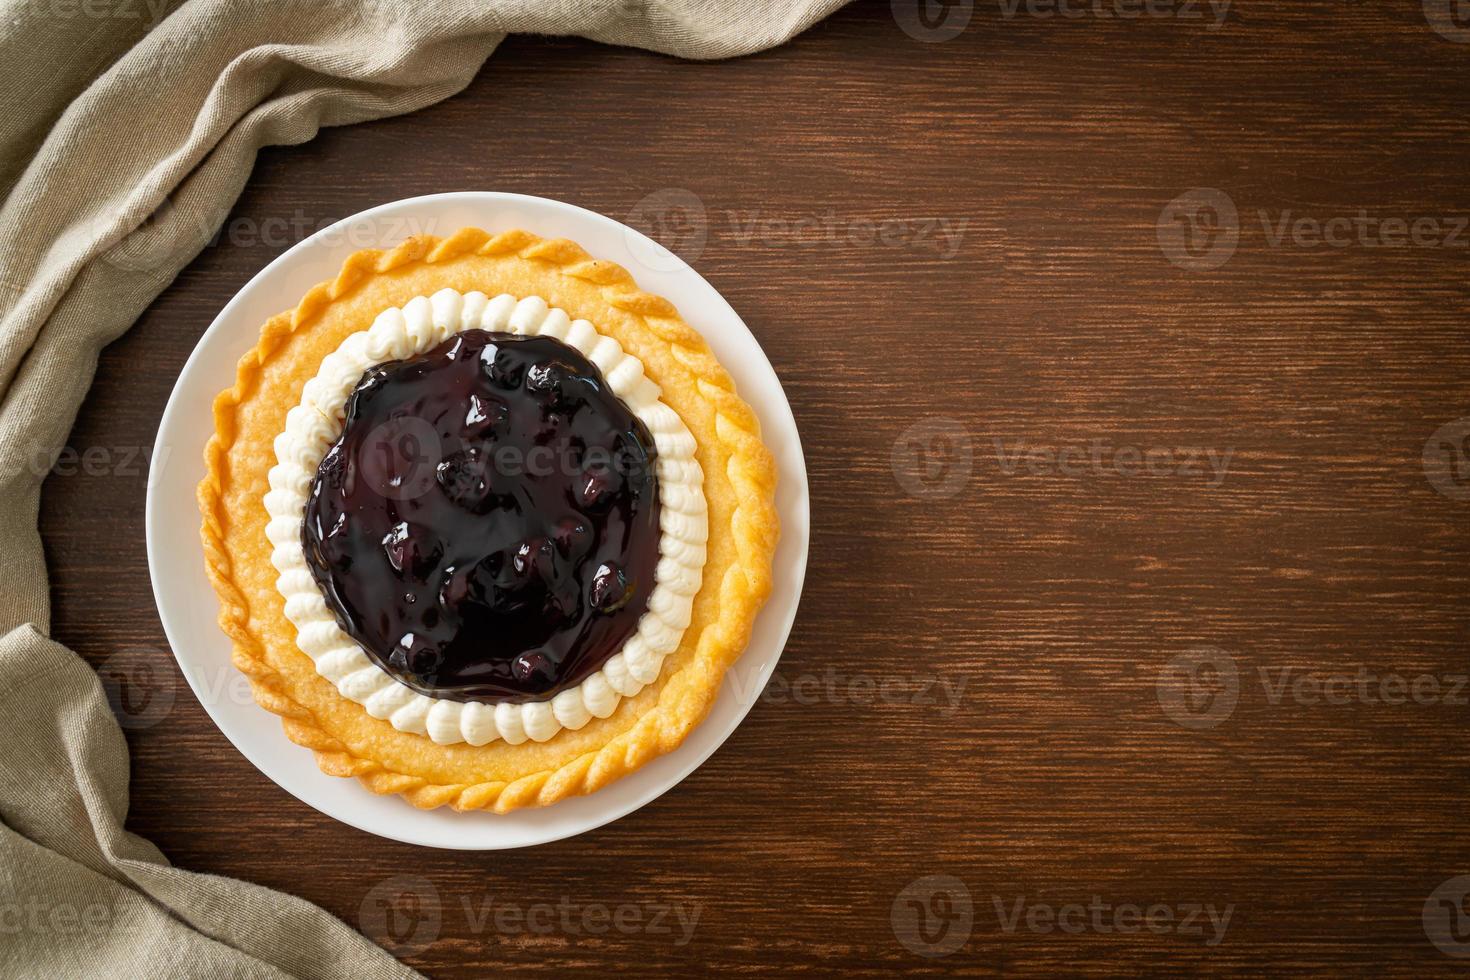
{"x": 687, "y": 693}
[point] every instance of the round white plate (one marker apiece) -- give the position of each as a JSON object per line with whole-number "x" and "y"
{"x": 188, "y": 607}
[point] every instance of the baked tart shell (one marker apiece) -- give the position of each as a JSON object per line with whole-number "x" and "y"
{"x": 739, "y": 487}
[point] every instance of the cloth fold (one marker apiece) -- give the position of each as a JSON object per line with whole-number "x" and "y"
{"x": 130, "y": 130}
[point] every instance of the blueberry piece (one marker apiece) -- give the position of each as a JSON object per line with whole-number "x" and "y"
{"x": 557, "y": 608}
{"x": 373, "y": 378}
{"x": 484, "y": 414}
{"x": 573, "y": 536}
{"x": 494, "y": 581}
{"x": 533, "y": 559}
{"x": 533, "y": 665}
{"x": 503, "y": 368}
{"x": 576, "y": 452}
{"x": 456, "y": 587}
{"x": 548, "y": 380}
{"x": 335, "y": 469}
{"x": 465, "y": 479}
{"x": 544, "y": 377}
{"x": 595, "y": 488}
{"x": 408, "y": 551}
{"x": 416, "y": 655}
{"x": 630, "y": 459}
{"x": 546, "y": 432}
{"x": 610, "y": 590}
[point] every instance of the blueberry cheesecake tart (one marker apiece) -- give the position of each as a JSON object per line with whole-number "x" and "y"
{"x": 488, "y": 524}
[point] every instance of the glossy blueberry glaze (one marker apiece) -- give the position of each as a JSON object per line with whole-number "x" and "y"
{"x": 486, "y": 527}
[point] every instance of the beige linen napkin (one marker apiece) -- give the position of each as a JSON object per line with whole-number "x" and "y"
{"x": 130, "y": 127}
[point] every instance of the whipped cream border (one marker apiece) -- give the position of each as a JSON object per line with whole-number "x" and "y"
{"x": 315, "y": 424}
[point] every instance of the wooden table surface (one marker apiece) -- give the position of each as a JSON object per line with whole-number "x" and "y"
{"x": 1127, "y": 354}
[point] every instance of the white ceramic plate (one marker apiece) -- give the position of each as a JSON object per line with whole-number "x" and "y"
{"x": 187, "y": 604}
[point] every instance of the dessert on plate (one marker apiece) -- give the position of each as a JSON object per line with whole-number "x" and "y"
{"x": 488, "y": 524}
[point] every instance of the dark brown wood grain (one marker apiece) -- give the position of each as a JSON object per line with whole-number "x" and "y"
{"x": 1050, "y": 602}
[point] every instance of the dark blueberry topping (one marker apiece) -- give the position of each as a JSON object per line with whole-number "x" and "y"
{"x": 533, "y": 560}
{"x": 486, "y": 526}
{"x": 484, "y": 415}
{"x": 415, "y": 654}
{"x": 409, "y": 550}
{"x": 550, "y": 380}
{"x": 596, "y": 487}
{"x": 464, "y": 476}
{"x": 503, "y": 369}
{"x": 529, "y": 666}
{"x": 611, "y": 589}
{"x": 573, "y": 536}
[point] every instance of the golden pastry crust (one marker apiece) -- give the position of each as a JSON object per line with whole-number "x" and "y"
{"x": 740, "y": 480}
